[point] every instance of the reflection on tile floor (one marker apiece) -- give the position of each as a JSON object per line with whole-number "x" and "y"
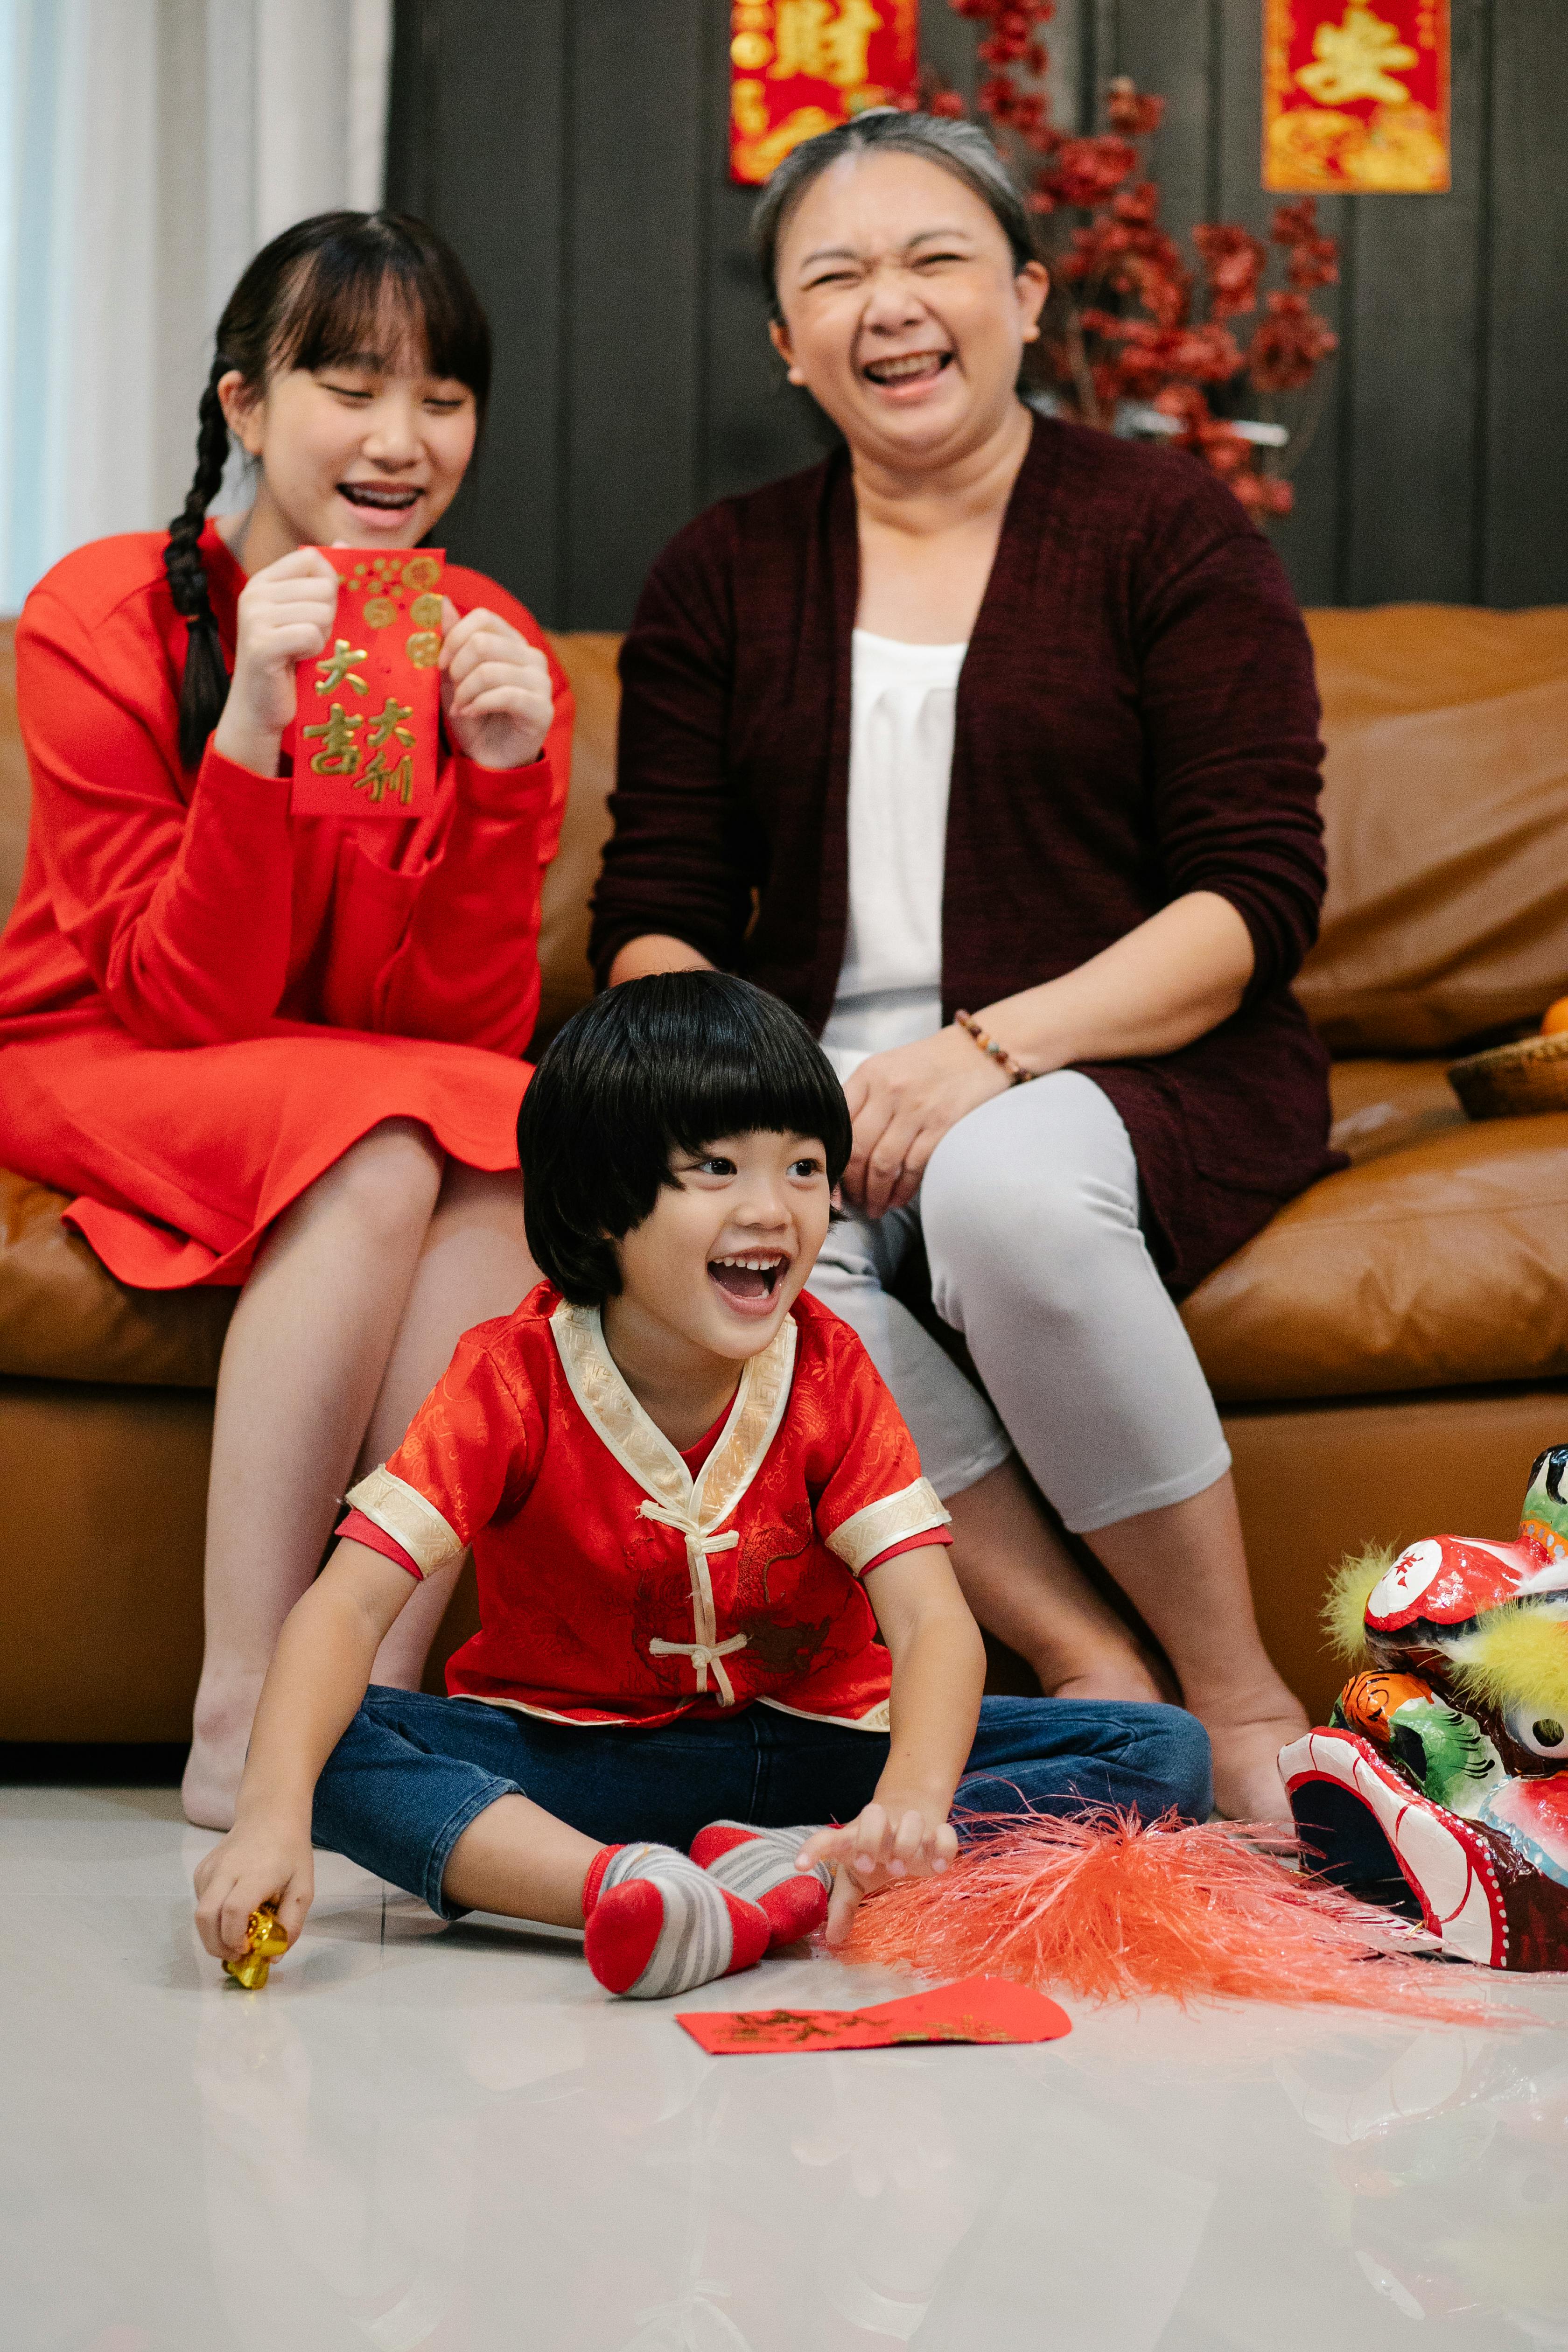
{"x": 448, "y": 2139}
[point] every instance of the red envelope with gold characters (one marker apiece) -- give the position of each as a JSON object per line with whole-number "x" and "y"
{"x": 366, "y": 735}
{"x": 979, "y": 2008}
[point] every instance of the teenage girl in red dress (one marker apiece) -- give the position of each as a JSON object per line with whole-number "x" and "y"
{"x": 277, "y": 1051}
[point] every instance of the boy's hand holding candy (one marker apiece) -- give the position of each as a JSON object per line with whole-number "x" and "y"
{"x": 889, "y": 1840}
{"x": 257, "y": 1863}
{"x": 495, "y": 689}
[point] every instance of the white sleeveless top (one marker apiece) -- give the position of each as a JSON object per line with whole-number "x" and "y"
{"x": 900, "y": 763}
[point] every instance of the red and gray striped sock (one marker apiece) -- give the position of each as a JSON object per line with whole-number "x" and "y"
{"x": 657, "y": 1924}
{"x": 759, "y": 1866}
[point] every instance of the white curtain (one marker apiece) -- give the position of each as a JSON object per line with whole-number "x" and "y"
{"x": 147, "y": 149}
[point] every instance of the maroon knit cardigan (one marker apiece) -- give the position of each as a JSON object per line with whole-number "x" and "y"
{"x": 1136, "y": 717}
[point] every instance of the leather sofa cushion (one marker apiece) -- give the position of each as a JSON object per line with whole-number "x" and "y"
{"x": 1446, "y": 812}
{"x": 588, "y": 660}
{"x": 1439, "y": 1259}
{"x": 1381, "y": 1107}
{"x": 63, "y": 1316}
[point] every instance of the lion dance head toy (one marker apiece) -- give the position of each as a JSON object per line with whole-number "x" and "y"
{"x": 1440, "y": 1783}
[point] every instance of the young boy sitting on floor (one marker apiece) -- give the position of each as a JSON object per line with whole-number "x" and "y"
{"x": 693, "y": 1507}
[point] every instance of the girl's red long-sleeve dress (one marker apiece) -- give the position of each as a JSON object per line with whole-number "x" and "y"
{"x": 204, "y": 1001}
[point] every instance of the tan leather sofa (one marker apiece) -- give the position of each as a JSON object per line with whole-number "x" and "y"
{"x": 1389, "y": 1354}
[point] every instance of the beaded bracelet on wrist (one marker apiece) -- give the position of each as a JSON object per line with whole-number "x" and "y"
{"x": 1017, "y": 1074}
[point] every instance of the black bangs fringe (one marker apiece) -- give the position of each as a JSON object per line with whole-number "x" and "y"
{"x": 380, "y": 277}
{"x": 715, "y": 1056}
{"x": 738, "y": 1097}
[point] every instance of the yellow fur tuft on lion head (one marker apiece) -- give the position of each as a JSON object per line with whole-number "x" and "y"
{"x": 1349, "y": 1589}
{"x": 1517, "y": 1657}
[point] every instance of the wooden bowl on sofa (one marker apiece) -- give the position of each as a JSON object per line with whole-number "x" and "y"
{"x": 1511, "y": 1081}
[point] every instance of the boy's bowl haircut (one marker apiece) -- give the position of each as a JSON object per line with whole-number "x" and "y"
{"x": 658, "y": 1066}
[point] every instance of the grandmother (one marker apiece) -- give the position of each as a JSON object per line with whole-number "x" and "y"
{"x": 1007, "y": 731}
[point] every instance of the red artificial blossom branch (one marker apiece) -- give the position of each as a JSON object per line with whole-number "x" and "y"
{"x": 1132, "y": 320}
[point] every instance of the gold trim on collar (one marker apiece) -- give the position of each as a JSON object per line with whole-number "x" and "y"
{"x": 753, "y": 1423}
{"x": 643, "y": 1450}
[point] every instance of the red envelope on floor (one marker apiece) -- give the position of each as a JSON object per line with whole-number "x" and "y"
{"x": 366, "y": 739}
{"x": 980, "y": 2009}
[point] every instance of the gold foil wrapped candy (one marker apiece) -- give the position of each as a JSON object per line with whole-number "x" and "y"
{"x": 267, "y": 1943}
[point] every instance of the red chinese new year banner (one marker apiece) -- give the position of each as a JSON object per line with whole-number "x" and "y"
{"x": 367, "y": 714}
{"x": 798, "y": 66}
{"x": 1355, "y": 96}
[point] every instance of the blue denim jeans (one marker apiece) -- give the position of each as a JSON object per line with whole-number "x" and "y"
{"x": 412, "y": 1771}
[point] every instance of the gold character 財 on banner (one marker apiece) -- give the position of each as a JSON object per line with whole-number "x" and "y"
{"x": 827, "y": 42}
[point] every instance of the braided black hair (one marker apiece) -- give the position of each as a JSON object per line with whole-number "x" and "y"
{"x": 203, "y": 689}
{"x": 328, "y": 290}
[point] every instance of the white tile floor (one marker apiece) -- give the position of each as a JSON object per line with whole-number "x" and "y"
{"x": 449, "y": 2140}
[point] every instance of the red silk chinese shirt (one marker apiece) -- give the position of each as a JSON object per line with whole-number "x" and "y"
{"x": 615, "y": 1586}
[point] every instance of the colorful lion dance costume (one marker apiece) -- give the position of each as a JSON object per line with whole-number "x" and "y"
{"x": 1441, "y": 1781}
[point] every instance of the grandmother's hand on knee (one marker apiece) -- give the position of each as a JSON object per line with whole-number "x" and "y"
{"x": 902, "y": 1103}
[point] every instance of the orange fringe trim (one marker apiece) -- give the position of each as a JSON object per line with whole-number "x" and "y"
{"x": 1106, "y": 1907}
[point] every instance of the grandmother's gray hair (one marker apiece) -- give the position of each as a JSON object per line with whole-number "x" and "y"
{"x": 960, "y": 148}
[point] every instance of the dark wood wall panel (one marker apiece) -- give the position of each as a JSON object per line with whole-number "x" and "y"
{"x": 1413, "y": 487}
{"x": 576, "y": 156}
{"x": 477, "y": 144}
{"x": 1525, "y": 477}
{"x": 636, "y": 290}
{"x": 1171, "y": 46}
{"x": 1311, "y": 537}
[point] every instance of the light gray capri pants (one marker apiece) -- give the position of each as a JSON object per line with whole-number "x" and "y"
{"x": 1029, "y": 1209}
